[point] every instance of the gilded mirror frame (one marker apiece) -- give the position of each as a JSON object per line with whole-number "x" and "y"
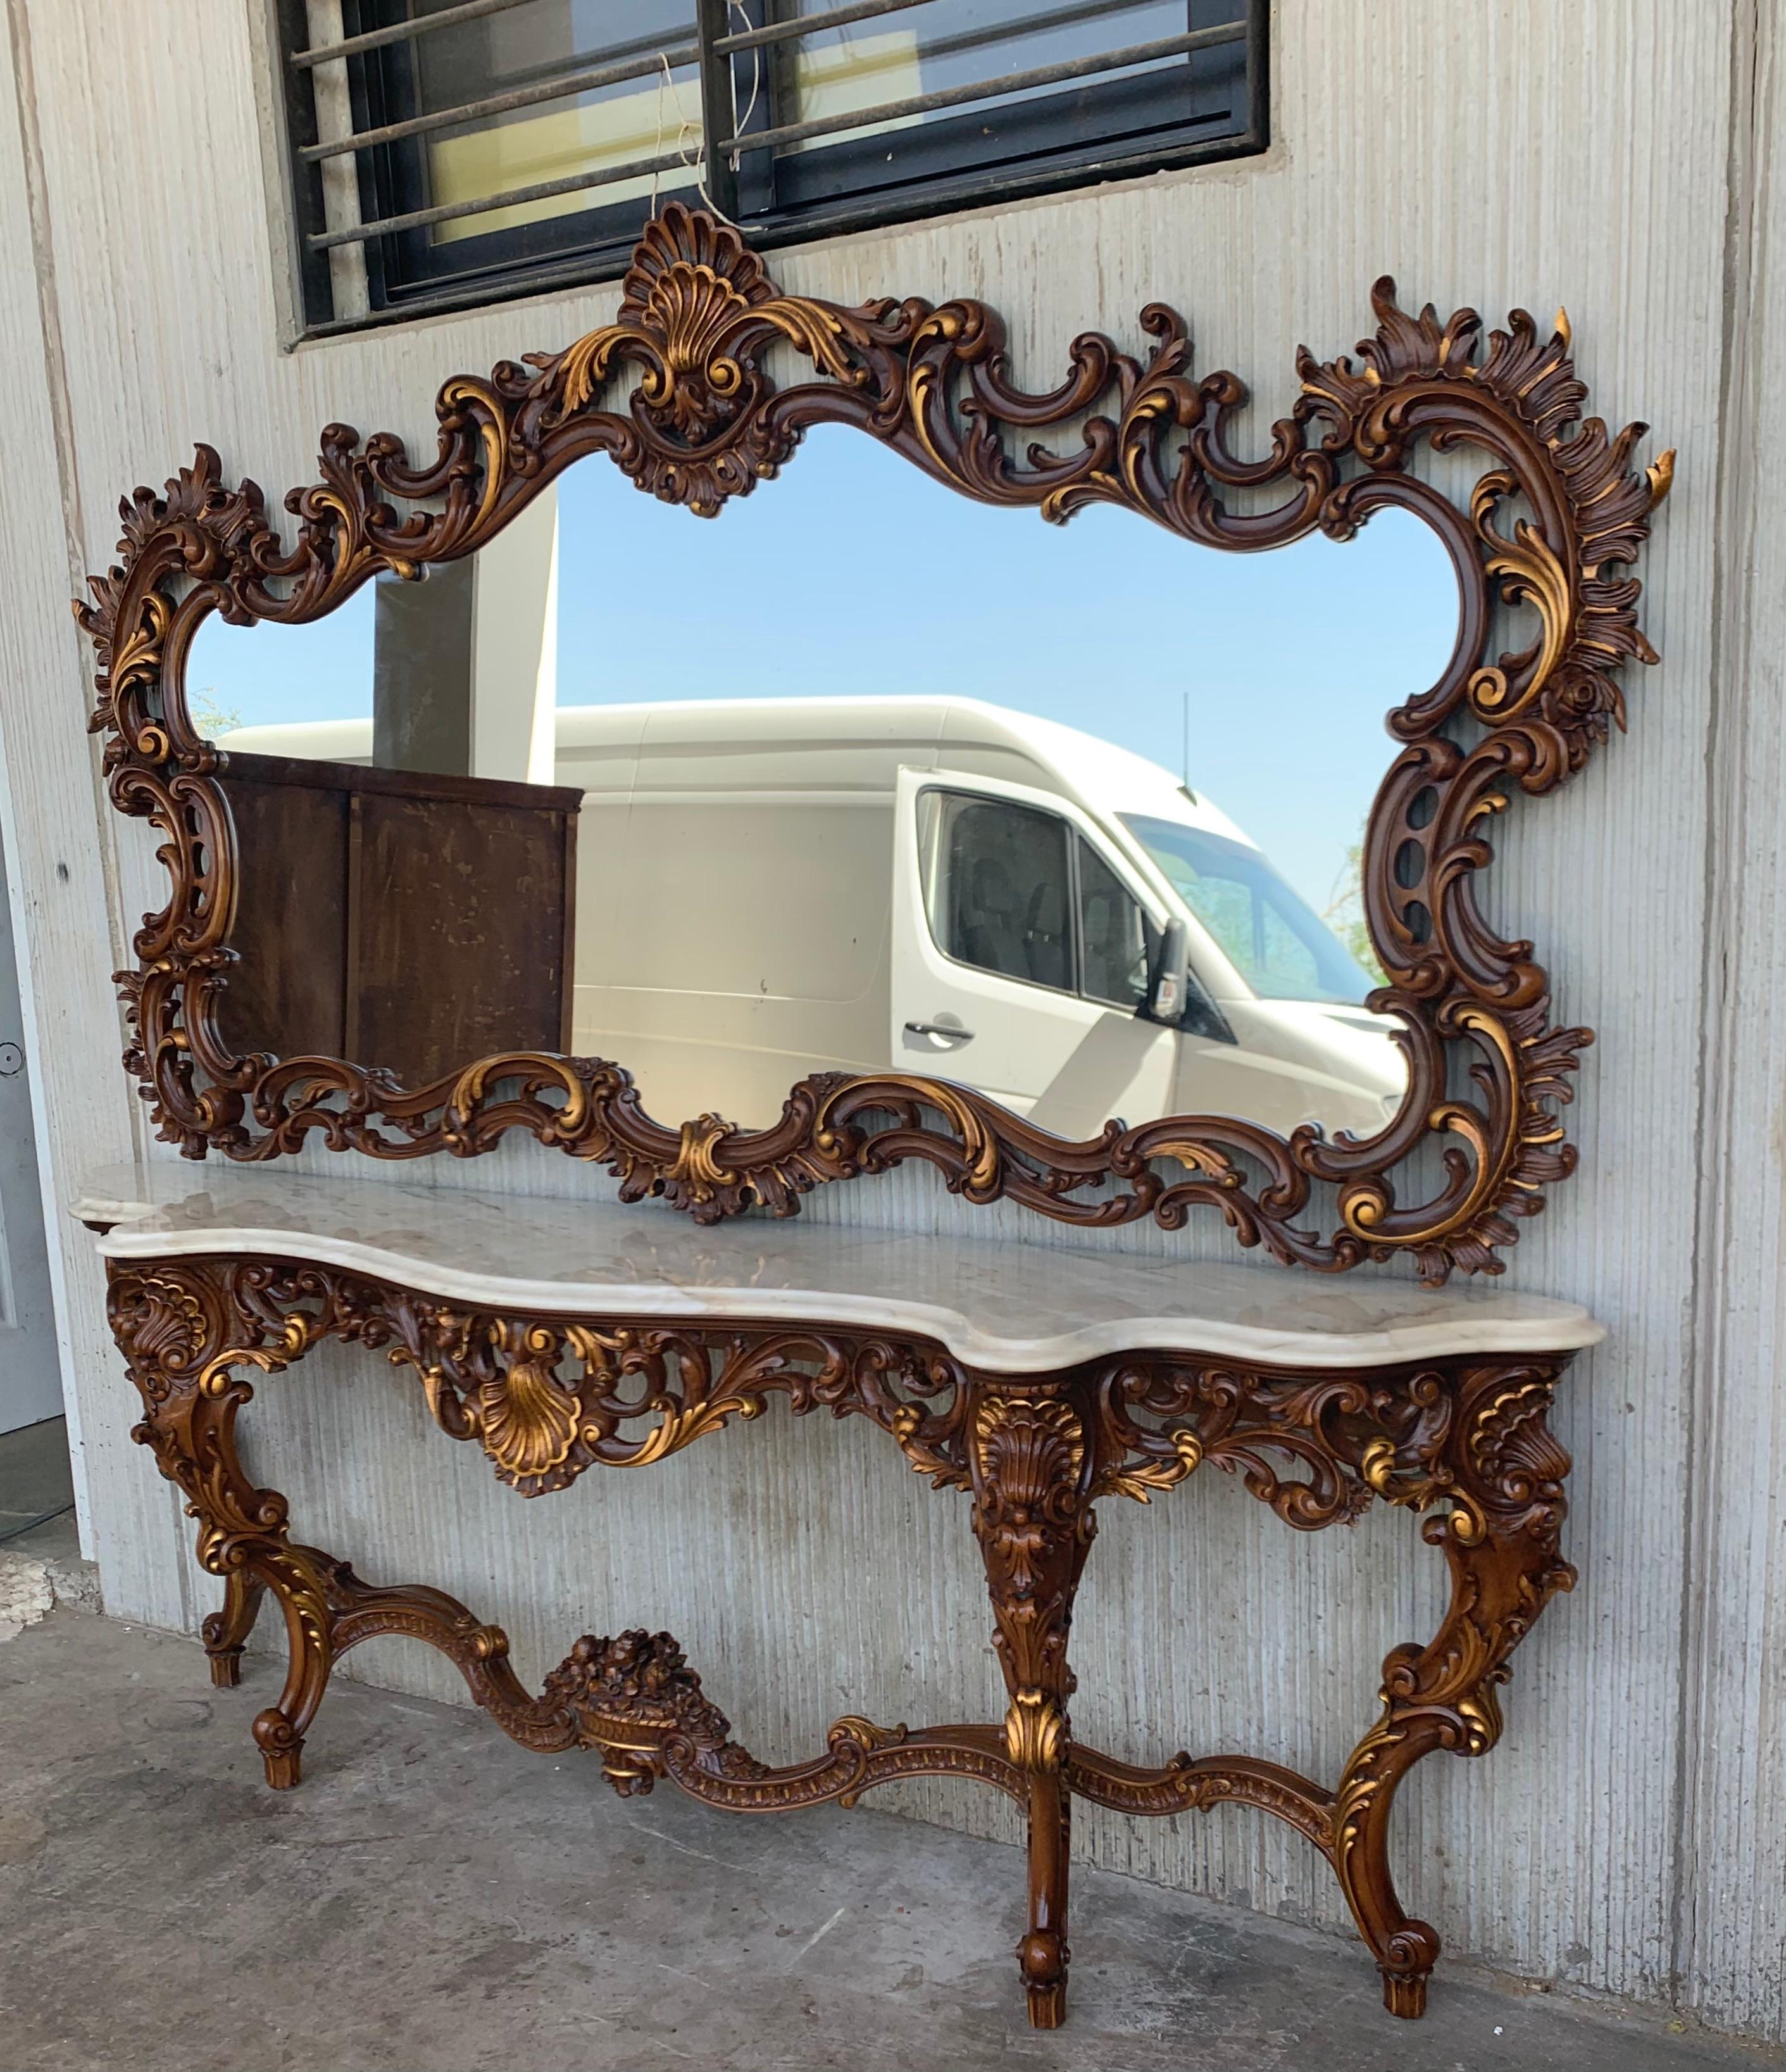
{"x": 706, "y": 422}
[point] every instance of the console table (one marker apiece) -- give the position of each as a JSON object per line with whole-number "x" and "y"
{"x": 561, "y": 1336}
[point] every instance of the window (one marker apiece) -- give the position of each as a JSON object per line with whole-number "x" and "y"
{"x": 996, "y": 888}
{"x": 1116, "y": 941}
{"x": 1002, "y": 885}
{"x": 1278, "y": 945}
{"x": 447, "y": 152}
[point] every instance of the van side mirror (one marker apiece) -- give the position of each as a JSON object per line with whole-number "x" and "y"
{"x": 1169, "y": 987}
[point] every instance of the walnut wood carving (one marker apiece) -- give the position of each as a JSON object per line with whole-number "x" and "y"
{"x": 1464, "y": 1443}
{"x": 705, "y": 423}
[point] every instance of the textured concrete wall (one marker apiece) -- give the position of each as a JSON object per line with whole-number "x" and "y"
{"x": 1616, "y": 155}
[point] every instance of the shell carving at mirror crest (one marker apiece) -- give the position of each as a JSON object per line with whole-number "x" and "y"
{"x": 704, "y": 423}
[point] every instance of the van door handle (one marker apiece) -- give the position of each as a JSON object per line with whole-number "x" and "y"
{"x": 940, "y": 1029}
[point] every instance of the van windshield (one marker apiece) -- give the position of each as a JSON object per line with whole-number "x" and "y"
{"x": 1282, "y": 948}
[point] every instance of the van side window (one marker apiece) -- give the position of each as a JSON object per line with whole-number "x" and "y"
{"x": 996, "y": 886}
{"x": 1116, "y": 941}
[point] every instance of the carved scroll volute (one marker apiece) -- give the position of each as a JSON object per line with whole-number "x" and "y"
{"x": 1030, "y": 1470}
{"x": 187, "y": 1332}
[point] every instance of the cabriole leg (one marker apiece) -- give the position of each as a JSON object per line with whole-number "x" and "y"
{"x": 186, "y": 1341}
{"x": 298, "y": 1578}
{"x": 1034, "y": 1525}
{"x": 1406, "y": 1950}
{"x": 1501, "y": 1540}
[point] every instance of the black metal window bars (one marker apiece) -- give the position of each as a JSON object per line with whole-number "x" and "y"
{"x": 740, "y": 166}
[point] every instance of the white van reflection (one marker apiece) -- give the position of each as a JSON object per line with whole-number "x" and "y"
{"x": 770, "y": 887}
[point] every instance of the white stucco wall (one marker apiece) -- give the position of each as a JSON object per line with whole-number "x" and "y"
{"x": 1616, "y": 155}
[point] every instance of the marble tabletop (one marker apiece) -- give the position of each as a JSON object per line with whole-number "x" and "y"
{"x": 1008, "y": 1307}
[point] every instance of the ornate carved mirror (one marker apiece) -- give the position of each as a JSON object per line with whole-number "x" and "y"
{"x": 877, "y": 822}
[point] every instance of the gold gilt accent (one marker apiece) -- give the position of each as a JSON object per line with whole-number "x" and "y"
{"x": 681, "y": 1425}
{"x": 1376, "y": 1465}
{"x": 1145, "y": 1477}
{"x": 693, "y": 306}
{"x": 1035, "y": 1730}
{"x": 1467, "y": 1520}
{"x": 979, "y": 1148}
{"x": 695, "y": 1167}
{"x": 1197, "y": 1158}
{"x": 526, "y": 1421}
{"x": 1492, "y": 1165}
{"x": 1032, "y": 1432}
{"x": 982, "y": 1176}
{"x": 294, "y": 1340}
{"x": 1530, "y": 572}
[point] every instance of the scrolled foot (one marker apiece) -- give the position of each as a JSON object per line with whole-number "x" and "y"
{"x": 1043, "y": 1956}
{"x": 1406, "y": 1965}
{"x": 1405, "y": 1994}
{"x": 281, "y": 1748}
{"x": 1048, "y": 2005}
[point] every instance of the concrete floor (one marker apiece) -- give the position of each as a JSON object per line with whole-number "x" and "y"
{"x": 435, "y": 1899}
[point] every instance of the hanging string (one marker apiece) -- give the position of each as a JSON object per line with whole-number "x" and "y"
{"x": 696, "y": 161}
{"x": 684, "y": 128}
{"x": 740, "y": 123}
{"x": 657, "y": 147}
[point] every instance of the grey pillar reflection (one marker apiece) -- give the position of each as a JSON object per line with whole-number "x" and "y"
{"x": 464, "y": 661}
{"x": 422, "y": 648}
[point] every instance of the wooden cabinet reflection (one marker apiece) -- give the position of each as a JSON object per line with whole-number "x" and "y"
{"x": 411, "y": 921}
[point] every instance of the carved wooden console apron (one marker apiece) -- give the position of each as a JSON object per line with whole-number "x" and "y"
{"x": 1461, "y": 1440}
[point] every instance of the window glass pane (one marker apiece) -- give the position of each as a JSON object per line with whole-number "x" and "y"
{"x": 1290, "y": 962}
{"x": 952, "y": 47}
{"x": 995, "y": 888}
{"x": 1279, "y": 945}
{"x": 962, "y": 43}
{"x": 641, "y": 117}
{"x": 1116, "y": 939}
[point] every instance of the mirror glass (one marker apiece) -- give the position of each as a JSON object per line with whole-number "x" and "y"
{"x": 860, "y": 776}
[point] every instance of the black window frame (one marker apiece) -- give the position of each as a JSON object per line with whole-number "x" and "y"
{"x": 777, "y": 200}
